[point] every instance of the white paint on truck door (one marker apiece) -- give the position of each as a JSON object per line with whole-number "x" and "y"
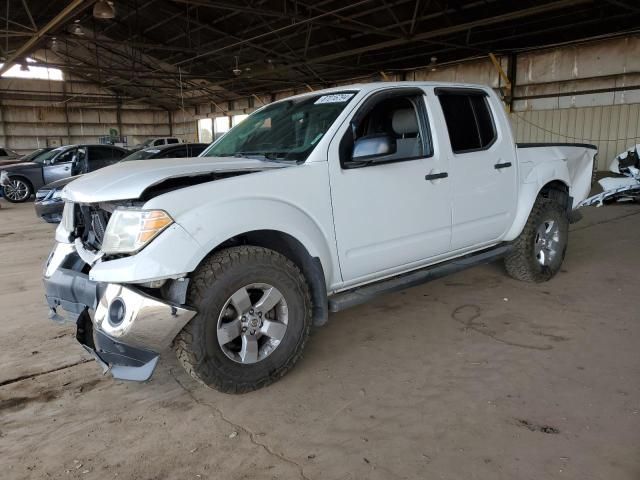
{"x": 482, "y": 167}
{"x": 387, "y": 216}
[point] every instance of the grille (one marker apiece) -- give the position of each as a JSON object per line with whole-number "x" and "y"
{"x": 91, "y": 222}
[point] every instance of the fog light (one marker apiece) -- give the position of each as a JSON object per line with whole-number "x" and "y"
{"x": 117, "y": 311}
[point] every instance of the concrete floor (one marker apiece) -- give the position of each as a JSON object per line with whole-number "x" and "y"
{"x": 474, "y": 376}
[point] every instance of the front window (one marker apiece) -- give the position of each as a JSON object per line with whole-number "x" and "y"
{"x": 288, "y": 130}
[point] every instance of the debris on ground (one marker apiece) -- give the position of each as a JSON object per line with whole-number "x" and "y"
{"x": 625, "y": 188}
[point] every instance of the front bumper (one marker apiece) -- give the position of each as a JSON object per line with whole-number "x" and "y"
{"x": 49, "y": 210}
{"x": 4, "y": 179}
{"x": 123, "y": 327}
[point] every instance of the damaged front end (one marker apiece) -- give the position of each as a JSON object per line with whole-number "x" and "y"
{"x": 625, "y": 188}
{"x": 124, "y": 327}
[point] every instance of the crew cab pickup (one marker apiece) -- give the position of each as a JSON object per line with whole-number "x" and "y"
{"x": 313, "y": 204}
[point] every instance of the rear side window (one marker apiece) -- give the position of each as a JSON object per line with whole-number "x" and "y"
{"x": 172, "y": 140}
{"x": 100, "y": 153}
{"x": 2, "y": 152}
{"x": 118, "y": 153}
{"x": 469, "y": 121}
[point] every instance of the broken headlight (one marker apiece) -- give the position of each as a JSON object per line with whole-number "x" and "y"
{"x": 130, "y": 229}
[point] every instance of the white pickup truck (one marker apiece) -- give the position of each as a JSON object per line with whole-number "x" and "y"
{"x": 314, "y": 203}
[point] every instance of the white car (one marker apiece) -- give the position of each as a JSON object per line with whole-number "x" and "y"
{"x": 157, "y": 142}
{"x": 312, "y": 204}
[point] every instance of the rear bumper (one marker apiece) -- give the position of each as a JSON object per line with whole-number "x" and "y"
{"x": 121, "y": 326}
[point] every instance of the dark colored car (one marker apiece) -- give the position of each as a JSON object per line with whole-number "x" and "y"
{"x": 49, "y": 204}
{"x": 21, "y": 180}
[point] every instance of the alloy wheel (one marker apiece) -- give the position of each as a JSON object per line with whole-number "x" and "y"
{"x": 252, "y": 323}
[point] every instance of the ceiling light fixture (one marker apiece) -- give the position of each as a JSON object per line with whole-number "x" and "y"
{"x": 76, "y": 29}
{"x": 104, "y": 10}
{"x": 236, "y": 71}
{"x": 433, "y": 64}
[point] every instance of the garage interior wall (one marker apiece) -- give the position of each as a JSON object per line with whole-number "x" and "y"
{"x": 582, "y": 93}
{"x": 37, "y": 113}
{"x": 587, "y": 92}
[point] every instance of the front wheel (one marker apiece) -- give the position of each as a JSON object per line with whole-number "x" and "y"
{"x": 254, "y": 317}
{"x": 539, "y": 251}
{"x": 18, "y": 190}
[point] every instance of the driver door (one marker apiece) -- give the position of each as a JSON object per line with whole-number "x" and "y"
{"x": 63, "y": 166}
{"x": 392, "y": 213}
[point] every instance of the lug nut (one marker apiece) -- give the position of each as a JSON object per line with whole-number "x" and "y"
{"x": 252, "y": 332}
{"x": 244, "y": 329}
{"x": 251, "y": 311}
{"x": 260, "y": 314}
{"x": 244, "y": 319}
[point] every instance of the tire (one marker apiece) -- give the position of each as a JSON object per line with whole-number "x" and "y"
{"x": 19, "y": 192}
{"x": 537, "y": 256}
{"x": 213, "y": 287}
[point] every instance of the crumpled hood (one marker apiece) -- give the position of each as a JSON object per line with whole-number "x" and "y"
{"x": 128, "y": 180}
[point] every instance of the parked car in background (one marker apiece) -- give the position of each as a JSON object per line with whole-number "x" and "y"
{"x": 158, "y": 142}
{"x": 21, "y": 180}
{"x": 8, "y": 156}
{"x": 49, "y": 203}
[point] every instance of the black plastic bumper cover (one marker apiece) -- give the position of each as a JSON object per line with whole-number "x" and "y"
{"x": 75, "y": 293}
{"x": 124, "y": 361}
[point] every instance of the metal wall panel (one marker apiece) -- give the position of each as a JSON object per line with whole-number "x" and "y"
{"x": 612, "y": 128}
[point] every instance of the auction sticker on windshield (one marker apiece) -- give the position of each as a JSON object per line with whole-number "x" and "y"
{"x": 334, "y": 98}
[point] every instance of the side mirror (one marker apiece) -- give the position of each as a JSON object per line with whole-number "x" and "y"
{"x": 373, "y": 146}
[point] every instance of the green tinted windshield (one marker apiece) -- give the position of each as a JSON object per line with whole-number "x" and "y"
{"x": 287, "y": 130}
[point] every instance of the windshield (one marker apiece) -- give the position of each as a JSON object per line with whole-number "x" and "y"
{"x": 31, "y": 156}
{"x": 45, "y": 156}
{"x": 141, "y": 154}
{"x": 287, "y": 130}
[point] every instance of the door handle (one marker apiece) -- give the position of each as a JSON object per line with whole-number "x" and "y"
{"x": 498, "y": 166}
{"x": 66, "y": 169}
{"x": 436, "y": 176}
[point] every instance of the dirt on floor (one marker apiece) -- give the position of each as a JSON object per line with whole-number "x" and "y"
{"x": 473, "y": 376}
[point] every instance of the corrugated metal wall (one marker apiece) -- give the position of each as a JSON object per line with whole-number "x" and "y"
{"x": 612, "y": 128}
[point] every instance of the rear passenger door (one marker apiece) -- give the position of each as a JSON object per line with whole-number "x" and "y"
{"x": 100, "y": 157}
{"x": 482, "y": 167}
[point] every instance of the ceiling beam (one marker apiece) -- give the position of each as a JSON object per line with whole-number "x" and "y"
{"x": 67, "y": 13}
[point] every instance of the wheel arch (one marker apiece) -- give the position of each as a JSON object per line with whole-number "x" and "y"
{"x": 294, "y": 250}
{"x": 556, "y": 189}
{"x": 25, "y": 179}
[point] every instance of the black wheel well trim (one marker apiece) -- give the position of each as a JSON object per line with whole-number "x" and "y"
{"x": 294, "y": 250}
{"x": 558, "y": 186}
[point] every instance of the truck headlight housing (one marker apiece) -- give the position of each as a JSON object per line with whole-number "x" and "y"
{"x": 129, "y": 230}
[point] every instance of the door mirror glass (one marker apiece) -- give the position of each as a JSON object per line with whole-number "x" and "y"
{"x": 370, "y": 147}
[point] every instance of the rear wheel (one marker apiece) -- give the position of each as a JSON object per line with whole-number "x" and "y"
{"x": 539, "y": 251}
{"x": 18, "y": 190}
{"x": 254, "y": 317}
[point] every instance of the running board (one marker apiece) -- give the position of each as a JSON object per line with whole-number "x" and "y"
{"x": 351, "y": 298}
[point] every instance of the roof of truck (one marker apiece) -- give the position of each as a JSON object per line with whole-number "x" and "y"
{"x": 372, "y": 86}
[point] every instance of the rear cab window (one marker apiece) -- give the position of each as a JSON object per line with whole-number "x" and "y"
{"x": 469, "y": 119}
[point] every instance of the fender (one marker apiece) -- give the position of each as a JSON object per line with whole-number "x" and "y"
{"x": 266, "y": 214}
{"x": 534, "y": 178}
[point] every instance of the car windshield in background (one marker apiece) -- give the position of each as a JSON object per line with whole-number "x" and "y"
{"x": 48, "y": 155}
{"x": 141, "y": 154}
{"x": 33, "y": 155}
{"x": 287, "y": 130}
